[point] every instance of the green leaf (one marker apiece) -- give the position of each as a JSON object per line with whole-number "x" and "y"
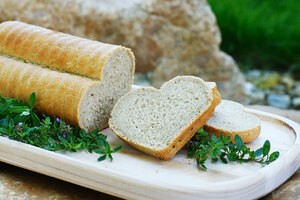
{"x": 35, "y": 119}
{"x": 110, "y": 157}
{"x": 117, "y": 149}
{"x": 4, "y": 107}
{"x": 101, "y": 158}
{"x": 214, "y": 139}
{"x": 203, "y": 166}
{"x": 219, "y": 144}
{"x": 63, "y": 141}
{"x": 4, "y": 131}
{"x": 266, "y": 148}
{"x": 258, "y": 152}
{"x": 99, "y": 151}
{"x": 18, "y": 109}
{"x": 274, "y": 156}
{"x": 238, "y": 142}
{"x": 32, "y": 99}
{"x": 78, "y": 146}
{"x": 232, "y": 157}
{"x": 226, "y": 139}
{"x": 222, "y": 157}
{"x": 107, "y": 148}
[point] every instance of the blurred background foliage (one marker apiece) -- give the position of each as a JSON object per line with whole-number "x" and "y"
{"x": 261, "y": 34}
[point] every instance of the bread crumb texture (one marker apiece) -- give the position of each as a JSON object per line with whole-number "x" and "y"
{"x": 231, "y": 116}
{"x": 231, "y": 119}
{"x": 153, "y": 118}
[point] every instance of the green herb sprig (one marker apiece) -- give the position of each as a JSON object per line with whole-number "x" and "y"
{"x": 20, "y": 122}
{"x": 223, "y": 149}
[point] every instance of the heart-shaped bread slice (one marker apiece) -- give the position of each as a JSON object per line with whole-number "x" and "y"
{"x": 231, "y": 119}
{"x": 160, "y": 122}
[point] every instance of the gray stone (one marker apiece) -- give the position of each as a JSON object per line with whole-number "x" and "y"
{"x": 279, "y": 89}
{"x": 253, "y": 75}
{"x": 256, "y": 97}
{"x": 249, "y": 88}
{"x": 296, "y": 91}
{"x": 288, "y": 81}
{"x": 279, "y": 101}
{"x": 296, "y": 102}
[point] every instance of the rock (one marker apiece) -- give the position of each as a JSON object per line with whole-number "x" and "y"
{"x": 257, "y": 97}
{"x": 296, "y": 91}
{"x": 288, "y": 81}
{"x": 279, "y": 89}
{"x": 171, "y": 37}
{"x": 249, "y": 88}
{"x": 279, "y": 101}
{"x": 269, "y": 80}
{"x": 296, "y": 102}
{"x": 253, "y": 75}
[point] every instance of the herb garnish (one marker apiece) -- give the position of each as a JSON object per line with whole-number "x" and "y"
{"x": 20, "y": 122}
{"x": 223, "y": 149}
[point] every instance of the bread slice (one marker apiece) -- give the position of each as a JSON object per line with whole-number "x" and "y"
{"x": 231, "y": 119}
{"x": 160, "y": 122}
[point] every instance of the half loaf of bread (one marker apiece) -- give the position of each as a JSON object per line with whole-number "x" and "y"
{"x": 84, "y": 78}
{"x": 64, "y": 52}
{"x": 231, "y": 119}
{"x": 160, "y": 122}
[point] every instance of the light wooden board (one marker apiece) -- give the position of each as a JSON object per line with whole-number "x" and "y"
{"x": 134, "y": 175}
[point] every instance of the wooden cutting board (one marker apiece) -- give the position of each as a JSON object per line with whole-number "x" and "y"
{"x": 134, "y": 175}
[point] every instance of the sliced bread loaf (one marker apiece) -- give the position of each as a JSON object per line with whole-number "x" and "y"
{"x": 96, "y": 74}
{"x": 160, "y": 122}
{"x": 231, "y": 119}
{"x": 75, "y": 99}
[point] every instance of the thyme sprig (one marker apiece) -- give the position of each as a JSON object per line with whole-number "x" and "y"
{"x": 20, "y": 122}
{"x": 204, "y": 146}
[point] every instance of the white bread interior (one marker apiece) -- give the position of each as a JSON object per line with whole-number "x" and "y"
{"x": 160, "y": 122}
{"x": 116, "y": 80}
{"x": 231, "y": 119}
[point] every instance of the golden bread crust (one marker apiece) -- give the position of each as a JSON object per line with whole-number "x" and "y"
{"x": 55, "y": 50}
{"x": 58, "y": 94}
{"x": 247, "y": 135}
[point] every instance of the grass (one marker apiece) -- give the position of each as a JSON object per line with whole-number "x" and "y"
{"x": 260, "y": 34}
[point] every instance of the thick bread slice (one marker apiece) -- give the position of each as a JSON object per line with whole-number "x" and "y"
{"x": 160, "y": 122}
{"x": 75, "y": 99}
{"x": 63, "y": 52}
{"x": 231, "y": 119}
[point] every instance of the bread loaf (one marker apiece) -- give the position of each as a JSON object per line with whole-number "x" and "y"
{"x": 76, "y": 79}
{"x": 231, "y": 119}
{"x": 62, "y": 51}
{"x": 161, "y": 122}
{"x": 76, "y": 100}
